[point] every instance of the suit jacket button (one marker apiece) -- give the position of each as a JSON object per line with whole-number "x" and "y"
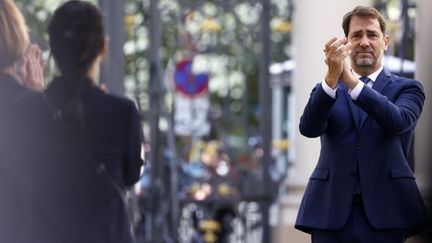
{"x": 359, "y": 146}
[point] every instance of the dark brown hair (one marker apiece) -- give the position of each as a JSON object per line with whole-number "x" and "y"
{"x": 76, "y": 33}
{"x": 363, "y": 11}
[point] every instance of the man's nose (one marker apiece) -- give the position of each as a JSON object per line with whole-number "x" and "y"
{"x": 364, "y": 41}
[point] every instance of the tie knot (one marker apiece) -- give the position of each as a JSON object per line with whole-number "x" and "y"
{"x": 365, "y": 79}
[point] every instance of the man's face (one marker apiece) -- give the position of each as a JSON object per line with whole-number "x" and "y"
{"x": 368, "y": 43}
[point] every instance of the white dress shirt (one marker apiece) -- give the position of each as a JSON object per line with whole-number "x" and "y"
{"x": 355, "y": 92}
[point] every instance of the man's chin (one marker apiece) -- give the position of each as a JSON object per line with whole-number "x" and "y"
{"x": 364, "y": 62}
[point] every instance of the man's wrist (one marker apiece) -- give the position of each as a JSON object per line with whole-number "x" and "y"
{"x": 355, "y": 92}
{"x": 331, "y": 82}
{"x": 351, "y": 82}
{"x": 328, "y": 90}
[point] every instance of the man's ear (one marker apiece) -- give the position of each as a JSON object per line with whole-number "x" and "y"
{"x": 386, "y": 42}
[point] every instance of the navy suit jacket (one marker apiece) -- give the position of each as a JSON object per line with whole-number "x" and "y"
{"x": 376, "y": 148}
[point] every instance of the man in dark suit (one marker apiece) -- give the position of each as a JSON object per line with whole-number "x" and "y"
{"x": 362, "y": 189}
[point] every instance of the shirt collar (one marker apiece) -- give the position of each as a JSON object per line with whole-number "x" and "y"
{"x": 373, "y": 76}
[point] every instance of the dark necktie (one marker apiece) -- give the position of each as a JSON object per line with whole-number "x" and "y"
{"x": 362, "y": 114}
{"x": 365, "y": 79}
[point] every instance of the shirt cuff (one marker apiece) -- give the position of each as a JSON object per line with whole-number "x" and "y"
{"x": 328, "y": 90}
{"x": 356, "y": 91}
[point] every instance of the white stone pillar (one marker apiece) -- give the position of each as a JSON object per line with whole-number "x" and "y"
{"x": 423, "y": 133}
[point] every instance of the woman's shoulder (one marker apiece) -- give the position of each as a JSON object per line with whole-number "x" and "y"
{"x": 111, "y": 97}
{"x": 10, "y": 89}
{"x": 32, "y": 102}
{"x": 111, "y": 102}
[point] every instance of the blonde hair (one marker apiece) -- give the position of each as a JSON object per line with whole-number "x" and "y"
{"x": 14, "y": 38}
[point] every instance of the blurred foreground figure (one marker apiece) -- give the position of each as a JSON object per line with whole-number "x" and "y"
{"x": 20, "y": 71}
{"x": 84, "y": 144}
{"x": 362, "y": 189}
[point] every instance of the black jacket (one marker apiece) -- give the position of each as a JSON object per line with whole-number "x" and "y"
{"x": 70, "y": 200}
{"x": 13, "y": 178}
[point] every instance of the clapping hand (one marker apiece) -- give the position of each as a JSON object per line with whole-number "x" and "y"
{"x": 336, "y": 50}
{"x": 30, "y": 70}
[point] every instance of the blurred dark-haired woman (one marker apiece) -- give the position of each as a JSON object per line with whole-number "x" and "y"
{"x": 85, "y": 144}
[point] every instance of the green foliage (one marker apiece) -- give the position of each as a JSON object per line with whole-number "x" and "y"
{"x": 36, "y": 14}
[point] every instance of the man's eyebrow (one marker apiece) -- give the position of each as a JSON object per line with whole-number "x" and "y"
{"x": 356, "y": 32}
{"x": 367, "y": 31}
{"x": 371, "y": 31}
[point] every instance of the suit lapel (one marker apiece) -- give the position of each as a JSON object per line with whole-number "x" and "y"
{"x": 355, "y": 111}
{"x": 381, "y": 82}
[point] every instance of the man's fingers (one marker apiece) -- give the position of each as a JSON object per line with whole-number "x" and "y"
{"x": 340, "y": 49}
{"x": 347, "y": 52}
{"x": 334, "y": 45}
{"x": 338, "y": 42}
{"x": 348, "y": 46}
{"x": 327, "y": 45}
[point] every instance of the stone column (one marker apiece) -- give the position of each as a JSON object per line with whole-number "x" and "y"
{"x": 112, "y": 70}
{"x": 423, "y": 133}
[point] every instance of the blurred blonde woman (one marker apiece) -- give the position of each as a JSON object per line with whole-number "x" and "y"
{"x": 20, "y": 63}
{"x": 20, "y": 72}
